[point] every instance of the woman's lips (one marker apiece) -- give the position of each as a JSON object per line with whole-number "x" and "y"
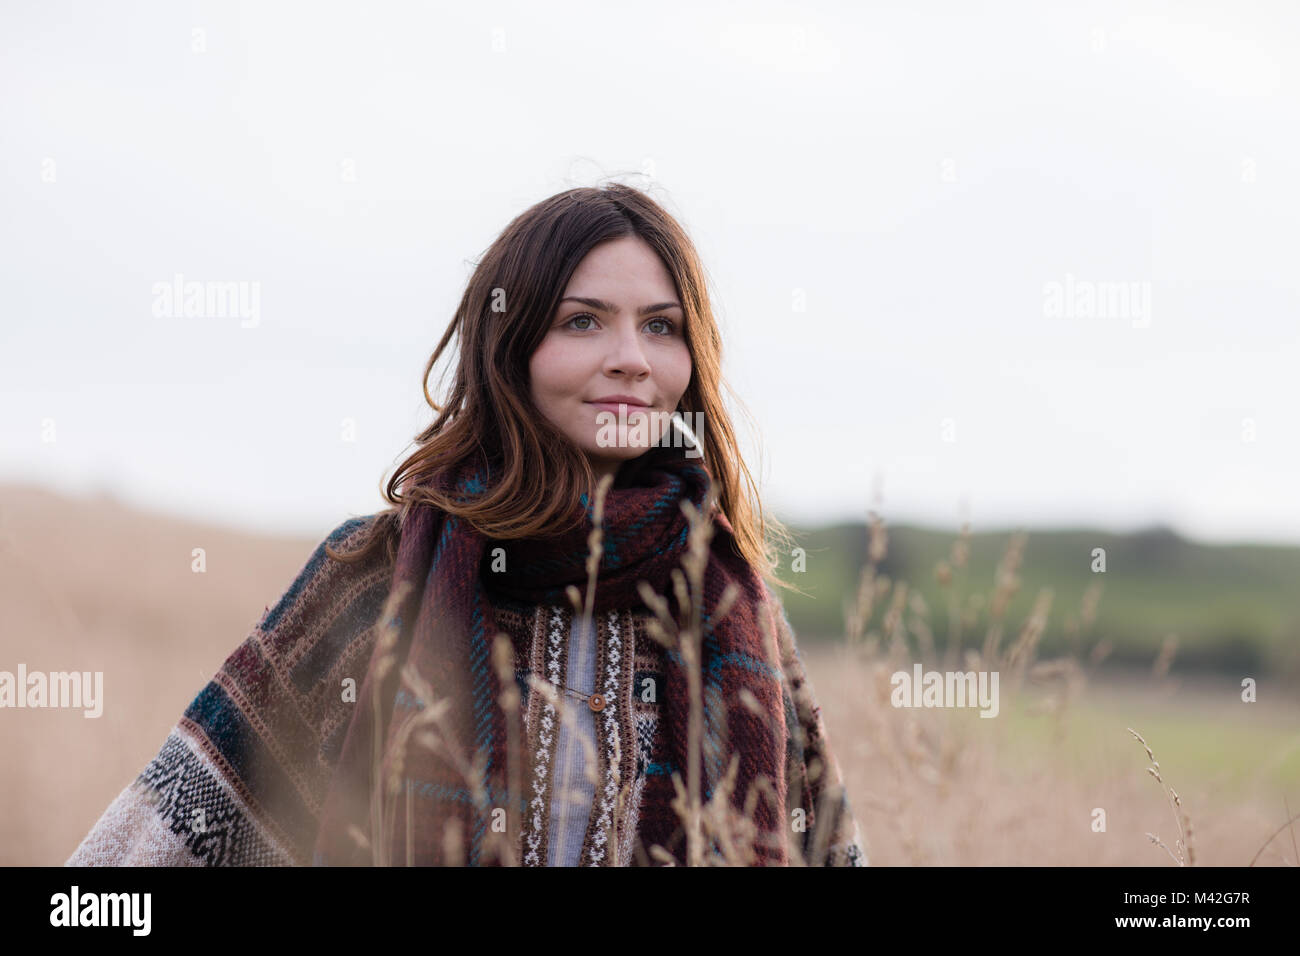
{"x": 614, "y": 406}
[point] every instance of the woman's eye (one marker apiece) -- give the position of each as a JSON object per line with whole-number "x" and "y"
{"x": 669, "y": 327}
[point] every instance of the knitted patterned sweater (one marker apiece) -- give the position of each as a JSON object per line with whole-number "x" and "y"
{"x": 278, "y": 694}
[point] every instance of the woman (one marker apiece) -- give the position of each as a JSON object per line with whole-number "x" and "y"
{"x": 563, "y": 624}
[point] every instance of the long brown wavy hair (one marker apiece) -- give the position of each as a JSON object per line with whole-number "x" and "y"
{"x": 490, "y": 413}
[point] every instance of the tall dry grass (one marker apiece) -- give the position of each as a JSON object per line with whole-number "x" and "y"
{"x": 944, "y": 787}
{"x": 926, "y": 764}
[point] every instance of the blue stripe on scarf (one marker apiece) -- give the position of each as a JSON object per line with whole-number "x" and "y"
{"x": 747, "y": 661}
{"x": 613, "y": 545}
{"x": 407, "y": 701}
{"x": 481, "y": 690}
{"x": 712, "y": 673}
{"x": 681, "y": 538}
{"x": 712, "y": 750}
{"x": 471, "y": 486}
{"x": 448, "y": 525}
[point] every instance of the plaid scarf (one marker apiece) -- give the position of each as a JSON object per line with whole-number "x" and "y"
{"x": 444, "y": 629}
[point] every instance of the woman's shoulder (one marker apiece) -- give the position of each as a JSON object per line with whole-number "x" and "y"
{"x": 351, "y": 531}
{"x": 361, "y": 543}
{"x": 325, "y": 586}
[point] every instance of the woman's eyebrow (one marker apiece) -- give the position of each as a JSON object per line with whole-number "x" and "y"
{"x": 604, "y": 306}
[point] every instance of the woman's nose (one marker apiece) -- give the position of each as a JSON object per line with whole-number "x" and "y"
{"x": 627, "y": 354}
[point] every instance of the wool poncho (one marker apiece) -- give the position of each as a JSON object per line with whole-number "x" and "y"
{"x": 242, "y": 777}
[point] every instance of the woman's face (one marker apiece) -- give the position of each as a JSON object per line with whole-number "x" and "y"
{"x": 617, "y": 332}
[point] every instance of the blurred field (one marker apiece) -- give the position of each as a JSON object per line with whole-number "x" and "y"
{"x": 1233, "y": 608}
{"x": 90, "y": 585}
{"x": 936, "y": 787}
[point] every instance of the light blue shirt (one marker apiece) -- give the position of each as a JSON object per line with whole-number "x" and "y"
{"x": 572, "y": 793}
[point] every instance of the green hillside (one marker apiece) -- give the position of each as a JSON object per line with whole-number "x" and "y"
{"x": 1233, "y": 608}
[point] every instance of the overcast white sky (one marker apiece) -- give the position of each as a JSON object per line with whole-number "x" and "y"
{"x": 883, "y": 193}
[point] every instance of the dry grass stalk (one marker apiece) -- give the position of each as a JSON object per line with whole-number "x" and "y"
{"x": 924, "y": 748}
{"x": 1018, "y": 656}
{"x": 1006, "y": 584}
{"x": 858, "y": 612}
{"x": 1287, "y": 824}
{"x": 1186, "y": 853}
{"x": 1160, "y": 668}
{"x": 945, "y": 575}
